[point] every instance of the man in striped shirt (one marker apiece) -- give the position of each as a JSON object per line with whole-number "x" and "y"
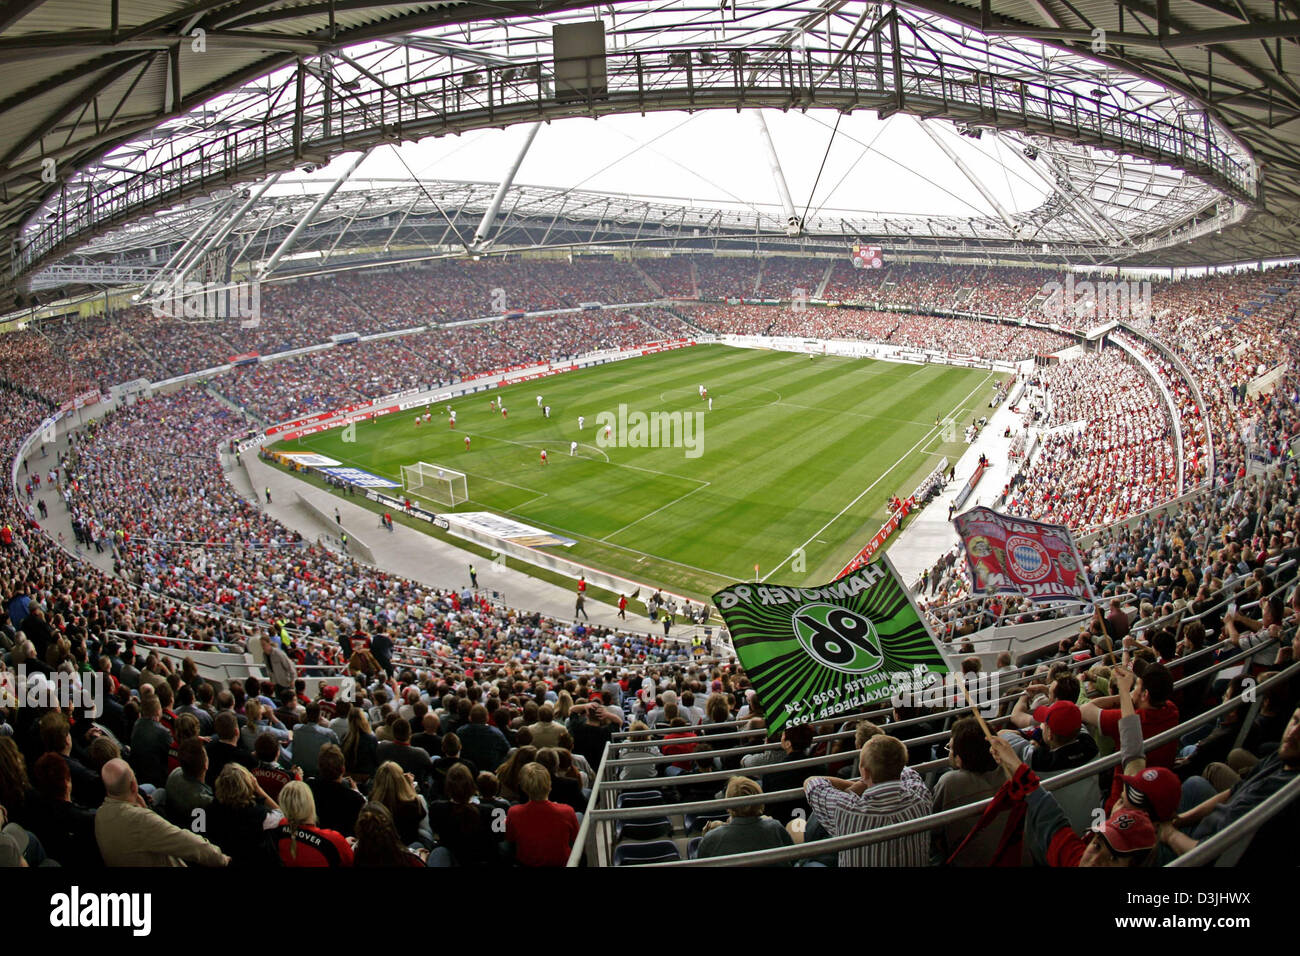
{"x": 886, "y": 793}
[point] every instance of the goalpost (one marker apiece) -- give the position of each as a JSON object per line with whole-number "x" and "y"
{"x": 436, "y": 483}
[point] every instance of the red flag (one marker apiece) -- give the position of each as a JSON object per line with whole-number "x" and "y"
{"x": 1011, "y": 799}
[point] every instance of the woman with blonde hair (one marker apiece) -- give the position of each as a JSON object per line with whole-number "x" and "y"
{"x": 563, "y": 706}
{"x": 298, "y": 839}
{"x": 240, "y": 817}
{"x": 395, "y": 789}
{"x": 251, "y": 730}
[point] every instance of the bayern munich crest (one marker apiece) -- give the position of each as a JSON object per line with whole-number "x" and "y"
{"x": 1028, "y": 559}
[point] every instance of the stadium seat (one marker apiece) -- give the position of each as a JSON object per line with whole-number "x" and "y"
{"x": 640, "y": 798}
{"x": 634, "y": 854}
{"x": 693, "y": 848}
{"x": 644, "y": 829}
{"x": 696, "y": 822}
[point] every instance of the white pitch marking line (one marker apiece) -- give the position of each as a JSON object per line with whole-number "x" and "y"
{"x": 896, "y": 463}
{"x": 613, "y": 534}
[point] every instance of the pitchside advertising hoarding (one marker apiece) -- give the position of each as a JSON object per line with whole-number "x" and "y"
{"x": 814, "y": 653}
{"x": 363, "y": 411}
{"x": 1008, "y": 555}
{"x": 892, "y": 523}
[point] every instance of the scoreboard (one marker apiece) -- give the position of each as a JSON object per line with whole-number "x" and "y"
{"x": 867, "y": 257}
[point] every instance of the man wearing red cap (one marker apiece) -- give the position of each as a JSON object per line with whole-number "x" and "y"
{"x": 1155, "y": 710}
{"x": 1126, "y": 838}
{"x": 1154, "y": 790}
{"x": 1059, "y": 746}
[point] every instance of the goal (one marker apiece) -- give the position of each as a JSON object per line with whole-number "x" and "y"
{"x": 445, "y": 486}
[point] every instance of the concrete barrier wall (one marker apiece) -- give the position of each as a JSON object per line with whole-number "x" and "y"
{"x": 356, "y": 547}
{"x": 1266, "y": 382}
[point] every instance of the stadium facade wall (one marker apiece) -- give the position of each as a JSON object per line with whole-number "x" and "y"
{"x": 356, "y": 547}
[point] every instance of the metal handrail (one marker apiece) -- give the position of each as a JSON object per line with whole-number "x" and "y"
{"x": 585, "y": 830}
{"x": 1242, "y": 829}
{"x": 686, "y": 779}
{"x": 1024, "y": 673}
{"x": 154, "y": 638}
{"x": 933, "y": 821}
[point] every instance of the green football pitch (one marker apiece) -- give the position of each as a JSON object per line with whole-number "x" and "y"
{"x": 797, "y": 453}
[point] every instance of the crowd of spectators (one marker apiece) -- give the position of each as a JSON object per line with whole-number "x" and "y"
{"x": 29, "y": 358}
{"x": 1116, "y": 455}
{"x": 726, "y": 277}
{"x": 968, "y": 338}
{"x": 196, "y": 563}
{"x": 675, "y": 276}
{"x": 784, "y": 276}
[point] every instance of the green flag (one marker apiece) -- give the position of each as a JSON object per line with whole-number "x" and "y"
{"x": 815, "y": 653}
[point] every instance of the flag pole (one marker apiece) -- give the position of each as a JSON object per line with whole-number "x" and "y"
{"x": 961, "y": 680}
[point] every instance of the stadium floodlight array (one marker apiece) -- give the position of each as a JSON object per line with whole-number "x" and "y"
{"x": 436, "y": 483}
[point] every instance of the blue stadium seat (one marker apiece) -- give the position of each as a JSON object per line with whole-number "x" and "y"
{"x": 640, "y": 798}
{"x": 696, "y": 822}
{"x": 693, "y": 848}
{"x": 644, "y": 829}
{"x": 633, "y": 854}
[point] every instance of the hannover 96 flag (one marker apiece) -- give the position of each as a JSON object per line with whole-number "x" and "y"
{"x": 1019, "y": 556}
{"x": 814, "y": 653}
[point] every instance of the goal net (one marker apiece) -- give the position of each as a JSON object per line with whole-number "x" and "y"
{"x": 445, "y": 486}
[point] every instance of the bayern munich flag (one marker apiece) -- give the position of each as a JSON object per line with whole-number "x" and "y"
{"x": 1018, "y": 556}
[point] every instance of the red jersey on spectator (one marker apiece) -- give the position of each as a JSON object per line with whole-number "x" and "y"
{"x": 311, "y": 846}
{"x": 672, "y": 750}
{"x": 543, "y": 832}
{"x": 1154, "y": 720}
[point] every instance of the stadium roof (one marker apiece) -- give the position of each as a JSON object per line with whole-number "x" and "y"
{"x": 145, "y": 106}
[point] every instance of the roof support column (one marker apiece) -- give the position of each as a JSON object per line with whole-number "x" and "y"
{"x": 309, "y": 215}
{"x": 974, "y": 180}
{"x": 162, "y": 281}
{"x": 227, "y": 228}
{"x": 481, "y": 241}
{"x": 793, "y": 222}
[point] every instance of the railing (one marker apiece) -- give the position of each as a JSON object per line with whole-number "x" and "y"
{"x": 1195, "y": 386}
{"x": 605, "y": 815}
{"x": 1235, "y": 837}
{"x": 895, "y": 74}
